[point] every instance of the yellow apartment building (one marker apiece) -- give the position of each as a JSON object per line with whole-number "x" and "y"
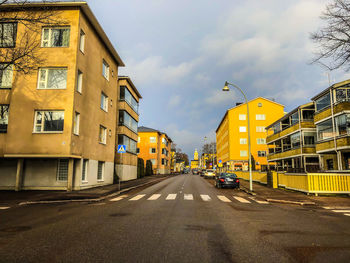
{"x": 232, "y": 133}
{"x": 155, "y": 146}
{"x": 58, "y": 124}
{"x": 332, "y": 120}
{"x": 128, "y": 111}
{"x": 292, "y": 140}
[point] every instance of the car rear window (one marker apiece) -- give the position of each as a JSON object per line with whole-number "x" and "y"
{"x": 229, "y": 175}
{"x": 210, "y": 171}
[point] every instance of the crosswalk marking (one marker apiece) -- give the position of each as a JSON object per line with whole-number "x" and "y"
{"x": 118, "y": 198}
{"x": 240, "y": 199}
{"x": 154, "y": 197}
{"x": 4, "y": 207}
{"x": 347, "y": 214}
{"x": 206, "y": 198}
{"x": 188, "y": 196}
{"x": 336, "y": 207}
{"x": 341, "y": 211}
{"x": 224, "y": 199}
{"x": 135, "y": 198}
{"x": 258, "y": 201}
{"x": 171, "y": 197}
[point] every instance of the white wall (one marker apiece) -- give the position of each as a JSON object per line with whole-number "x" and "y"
{"x": 8, "y": 168}
{"x": 126, "y": 172}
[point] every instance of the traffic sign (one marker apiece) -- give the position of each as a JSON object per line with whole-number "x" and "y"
{"x": 220, "y": 161}
{"x": 220, "y": 165}
{"x": 121, "y": 148}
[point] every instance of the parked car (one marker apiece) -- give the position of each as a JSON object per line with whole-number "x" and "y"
{"x": 209, "y": 173}
{"x": 202, "y": 172}
{"x": 227, "y": 180}
{"x": 194, "y": 171}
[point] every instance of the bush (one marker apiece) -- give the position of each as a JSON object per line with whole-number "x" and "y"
{"x": 140, "y": 168}
{"x": 149, "y": 169}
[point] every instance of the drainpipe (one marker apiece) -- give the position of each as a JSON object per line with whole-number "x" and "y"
{"x": 302, "y": 163}
{"x": 334, "y": 130}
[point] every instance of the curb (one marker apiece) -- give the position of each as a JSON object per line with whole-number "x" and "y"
{"x": 247, "y": 191}
{"x": 92, "y": 199}
{"x": 290, "y": 202}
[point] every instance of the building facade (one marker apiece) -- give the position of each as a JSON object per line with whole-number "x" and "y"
{"x": 195, "y": 161}
{"x": 128, "y": 112}
{"x": 58, "y": 124}
{"x": 155, "y": 146}
{"x": 232, "y": 134}
{"x": 332, "y": 120}
{"x": 292, "y": 140}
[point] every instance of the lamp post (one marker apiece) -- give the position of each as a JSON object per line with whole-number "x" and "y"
{"x": 226, "y": 88}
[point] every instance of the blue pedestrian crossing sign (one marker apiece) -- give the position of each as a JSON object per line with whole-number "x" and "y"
{"x": 121, "y": 148}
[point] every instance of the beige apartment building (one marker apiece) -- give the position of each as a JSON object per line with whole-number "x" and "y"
{"x": 58, "y": 125}
{"x": 128, "y": 106}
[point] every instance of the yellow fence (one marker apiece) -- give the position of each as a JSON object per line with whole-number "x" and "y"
{"x": 260, "y": 177}
{"x": 314, "y": 182}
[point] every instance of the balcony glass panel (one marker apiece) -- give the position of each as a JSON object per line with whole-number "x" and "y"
{"x": 323, "y": 102}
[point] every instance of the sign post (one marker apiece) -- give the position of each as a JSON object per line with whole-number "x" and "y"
{"x": 121, "y": 149}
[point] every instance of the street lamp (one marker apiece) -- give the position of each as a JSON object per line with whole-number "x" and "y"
{"x": 226, "y": 88}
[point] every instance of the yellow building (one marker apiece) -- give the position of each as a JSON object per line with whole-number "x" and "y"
{"x": 195, "y": 161}
{"x": 232, "y": 133}
{"x": 128, "y": 106}
{"x": 58, "y": 124}
{"x": 155, "y": 146}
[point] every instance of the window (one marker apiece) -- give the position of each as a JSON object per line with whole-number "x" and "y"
{"x": 137, "y": 150}
{"x": 260, "y": 129}
{"x": 259, "y": 104}
{"x": 242, "y": 117}
{"x": 48, "y": 121}
{"x": 105, "y": 70}
{"x": 260, "y": 117}
{"x": 52, "y": 78}
{"x": 84, "y": 170}
{"x": 309, "y": 138}
{"x": 152, "y": 139}
{"x": 126, "y": 96}
{"x": 76, "y": 123}
{"x": 62, "y": 170}
{"x": 80, "y": 81}
{"x": 8, "y": 34}
{"x": 82, "y": 41}
{"x": 153, "y": 161}
{"x": 104, "y": 102}
{"x": 164, "y": 161}
{"x": 152, "y": 150}
{"x": 261, "y": 141}
{"x": 261, "y": 153}
{"x": 342, "y": 123}
{"x": 164, "y": 151}
{"x": 128, "y": 121}
{"x": 138, "y": 139}
{"x": 55, "y": 37}
{"x": 130, "y": 144}
{"x": 164, "y": 141}
{"x": 6, "y": 74}
{"x": 276, "y": 128}
{"x": 323, "y": 102}
{"x": 243, "y": 153}
{"x": 325, "y": 130}
{"x": 100, "y": 170}
{"x": 243, "y": 141}
{"x": 242, "y": 129}
{"x": 295, "y": 140}
{"x": 102, "y": 138}
{"x": 4, "y": 118}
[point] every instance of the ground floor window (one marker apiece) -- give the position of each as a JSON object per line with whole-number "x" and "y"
{"x": 62, "y": 170}
{"x": 84, "y": 170}
{"x": 4, "y": 118}
{"x": 100, "y": 170}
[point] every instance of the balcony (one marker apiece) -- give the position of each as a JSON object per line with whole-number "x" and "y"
{"x": 290, "y": 153}
{"x": 342, "y": 142}
{"x": 290, "y": 129}
{"x": 339, "y": 107}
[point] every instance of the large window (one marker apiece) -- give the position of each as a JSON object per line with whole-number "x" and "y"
{"x": 8, "y": 33}
{"x": 294, "y": 118}
{"x": 128, "y": 121}
{"x": 6, "y": 74}
{"x": 62, "y": 170}
{"x": 55, "y": 37}
{"x": 309, "y": 138}
{"x": 342, "y": 123}
{"x": 102, "y": 138}
{"x": 4, "y": 118}
{"x": 295, "y": 140}
{"x": 125, "y": 95}
{"x": 52, "y": 78}
{"x": 104, "y": 102}
{"x": 129, "y": 143}
{"x": 48, "y": 121}
{"x": 325, "y": 130}
{"x": 323, "y": 102}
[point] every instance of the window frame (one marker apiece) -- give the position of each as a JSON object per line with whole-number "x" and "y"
{"x": 7, "y": 69}
{"x": 84, "y": 170}
{"x": 49, "y": 45}
{"x": 47, "y": 69}
{"x": 103, "y": 139}
{"x": 242, "y": 117}
{"x": 262, "y": 155}
{"x": 151, "y": 141}
{"x": 76, "y": 123}
{"x": 243, "y": 151}
{"x": 105, "y": 102}
{"x": 242, "y": 130}
{"x": 5, "y": 119}
{"x": 43, "y": 119}
{"x": 80, "y": 76}
{"x": 260, "y": 141}
{"x": 260, "y": 117}
{"x": 14, "y": 36}
{"x": 102, "y": 171}
{"x": 58, "y": 170}
{"x": 105, "y": 65}
{"x": 260, "y": 128}
{"x": 82, "y": 41}
{"x": 243, "y": 141}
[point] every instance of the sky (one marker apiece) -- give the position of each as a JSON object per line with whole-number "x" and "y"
{"x": 180, "y": 53}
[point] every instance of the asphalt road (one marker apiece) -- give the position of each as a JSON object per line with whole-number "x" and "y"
{"x": 181, "y": 219}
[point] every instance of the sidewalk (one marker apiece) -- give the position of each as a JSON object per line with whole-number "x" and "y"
{"x": 12, "y": 197}
{"x": 280, "y": 195}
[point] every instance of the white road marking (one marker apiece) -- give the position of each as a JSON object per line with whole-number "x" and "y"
{"x": 346, "y": 214}
{"x": 154, "y": 197}
{"x": 171, "y": 197}
{"x": 258, "y": 201}
{"x": 135, "y": 198}
{"x": 4, "y": 207}
{"x": 206, "y": 198}
{"x": 118, "y": 198}
{"x": 188, "y": 196}
{"x": 341, "y": 211}
{"x": 224, "y": 199}
{"x": 336, "y": 207}
{"x": 240, "y": 199}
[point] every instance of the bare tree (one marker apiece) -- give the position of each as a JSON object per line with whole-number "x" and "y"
{"x": 333, "y": 39}
{"x": 209, "y": 148}
{"x": 20, "y": 48}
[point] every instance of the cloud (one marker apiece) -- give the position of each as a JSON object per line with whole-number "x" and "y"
{"x": 174, "y": 101}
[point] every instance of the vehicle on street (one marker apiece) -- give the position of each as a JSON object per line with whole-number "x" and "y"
{"x": 228, "y": 180}
{"x": 203, "y": 172}
{"x": 209, "y": 173}
{"x": 195, "y": 171}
